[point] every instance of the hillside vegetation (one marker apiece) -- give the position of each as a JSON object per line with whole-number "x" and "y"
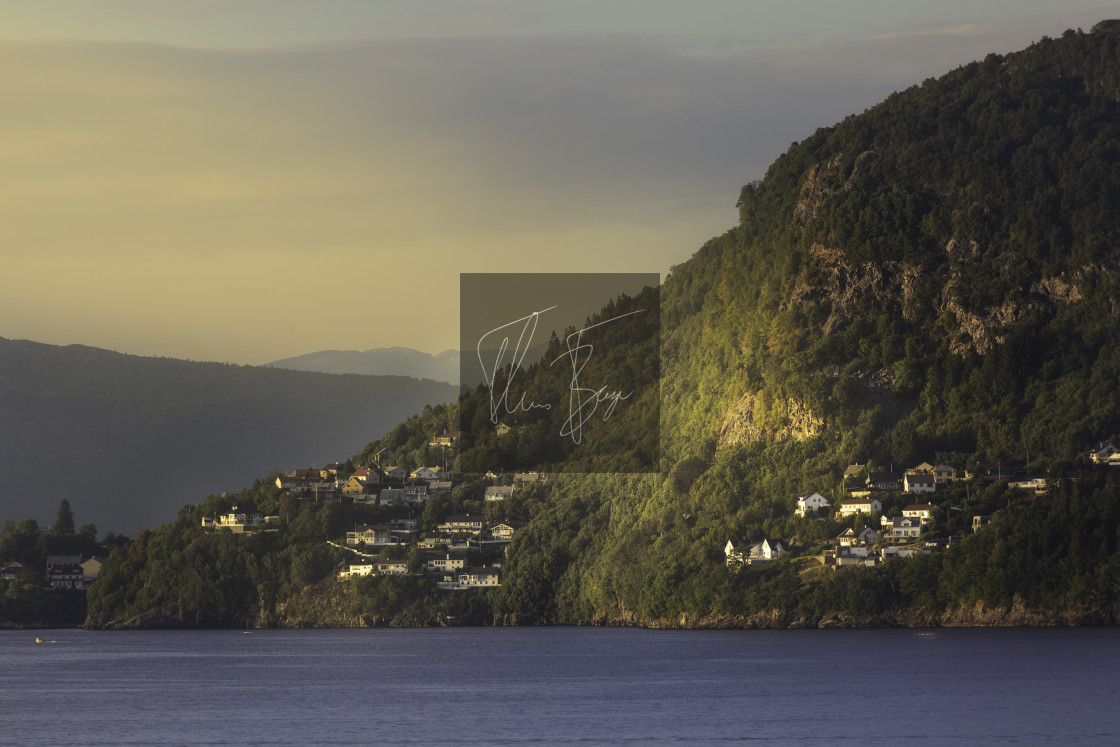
{"x": 935, "y": 279}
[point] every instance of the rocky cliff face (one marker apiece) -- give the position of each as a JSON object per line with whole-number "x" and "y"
{"x": 752, "y": 419}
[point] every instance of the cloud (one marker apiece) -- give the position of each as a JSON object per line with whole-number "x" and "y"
{"x": 148, "y": 192}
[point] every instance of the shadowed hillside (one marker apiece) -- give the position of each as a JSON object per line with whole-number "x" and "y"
{"x": 128, "y": 440}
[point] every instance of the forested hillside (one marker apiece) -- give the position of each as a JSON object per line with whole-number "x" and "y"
{"x": 132, "y": 439}
{"x": 936, "y": 279}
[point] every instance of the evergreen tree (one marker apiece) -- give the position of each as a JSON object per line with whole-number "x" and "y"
{"x": 64, "y": 524}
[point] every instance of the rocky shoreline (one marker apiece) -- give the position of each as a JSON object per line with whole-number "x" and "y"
{"x": 980, "y": 615}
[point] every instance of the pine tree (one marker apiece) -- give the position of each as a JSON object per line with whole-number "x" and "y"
{"x": 64, "y": 524}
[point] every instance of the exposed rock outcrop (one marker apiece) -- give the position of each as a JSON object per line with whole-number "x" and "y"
{"x": 750, "y": 420}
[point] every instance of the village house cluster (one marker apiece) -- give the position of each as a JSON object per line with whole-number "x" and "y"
{"x": 62, "y": 571}
{"x": 462, "y": 552}
{"x": 882, "y": 497}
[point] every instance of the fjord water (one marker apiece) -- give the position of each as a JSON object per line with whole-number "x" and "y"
{"x": 559, "y": 686}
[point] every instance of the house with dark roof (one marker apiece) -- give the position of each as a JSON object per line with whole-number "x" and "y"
{"x": 922, "y": 482}
{"x": 883, "y": 481}
{"x": 905, "y": 527}
{"x": 65, "y": 572}
{"x": 498, "y": 492}
{"x": 944, "y": 474}
{"x": 465, "y": 523}
{"x": 811, "y": 502}
{"x": 10, "y": 570}
{"x": 1102, "y": 453}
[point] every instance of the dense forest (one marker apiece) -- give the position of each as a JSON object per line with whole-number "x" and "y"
{"x": 935, "y": 279}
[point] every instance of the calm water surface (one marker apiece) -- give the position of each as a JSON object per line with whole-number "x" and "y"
{"x": 559, "y": 686}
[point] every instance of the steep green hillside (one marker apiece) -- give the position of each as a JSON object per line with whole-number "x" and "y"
{"x": 936, "y": 279}
{"x": 936, "y": 274}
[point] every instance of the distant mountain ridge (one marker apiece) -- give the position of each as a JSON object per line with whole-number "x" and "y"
{"x": 128, "y": 440}
{"x": 392, "y": 361}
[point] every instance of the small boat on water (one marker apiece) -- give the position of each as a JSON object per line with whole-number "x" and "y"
{"x": 39, "y": 640}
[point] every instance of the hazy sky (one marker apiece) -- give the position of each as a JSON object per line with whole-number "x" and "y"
{"x": 246, "y": 180}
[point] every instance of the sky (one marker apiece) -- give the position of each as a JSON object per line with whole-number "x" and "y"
{"x": 248, "y": 180}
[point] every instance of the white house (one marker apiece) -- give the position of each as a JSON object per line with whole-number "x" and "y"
{"x": 468, "y": 523}
{"x": 811, "y": 502}
{"x": 447, "y": 562}
{"x": 498, "y": 492}
{"x": 504, "y": 532}
{"x": 854, "y": 555}
{"x": 426, "y": 473}
{"x": 845, "y": 560}
{"x": 1103, "y": 453}
{"x": 922, "y": 482}
{"x": 357, "y": 569}
{"x": 759, "y": 552}
{"x": 395, "y": 473}
{"x": 851, "y": 538}
{"x": 369, "y": 534}
{"x": 392, "y": 567}
{"x": 733, "y": 556}
{"x": 766, "y": 550}
{"x": 902, "y": 552}
{"x": 1037, "y": 484}
{"x": 906, "y": 527}
{"x": 480, "y": 577}
{"x": 860, "y": 506}
{"x": 921, "y": 511}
